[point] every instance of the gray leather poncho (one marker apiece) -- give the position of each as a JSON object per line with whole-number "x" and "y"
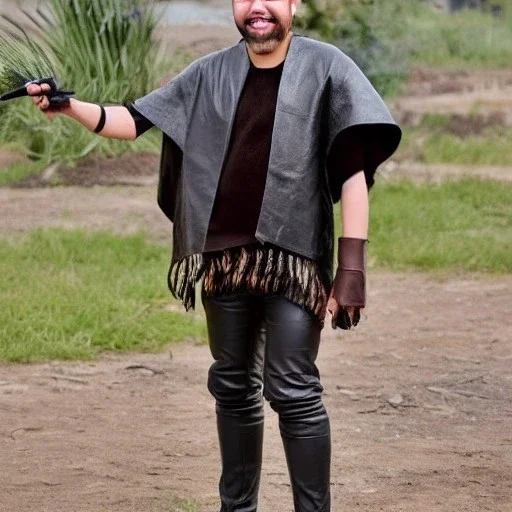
{"x": 322, "y": 93}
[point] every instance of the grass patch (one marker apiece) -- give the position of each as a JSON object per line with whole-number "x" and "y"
{"x": 494, "y": 147}
{"x": 16, "y": 172}
{"x": 464, "y": 225}
{"x": 180, "y": 505}
{"x": 466, "y": 39}
{"x": 433, "y": 143}
{"x": 73, "y": 295}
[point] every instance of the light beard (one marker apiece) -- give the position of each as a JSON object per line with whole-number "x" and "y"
{"x": 267, "y": 43}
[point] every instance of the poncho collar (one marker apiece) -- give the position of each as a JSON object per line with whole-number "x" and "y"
{"x": 243, "y": 62}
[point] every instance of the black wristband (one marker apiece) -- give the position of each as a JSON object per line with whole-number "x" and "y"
{"x": 101, "y": 122}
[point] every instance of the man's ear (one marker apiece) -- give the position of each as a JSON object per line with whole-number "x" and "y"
{"x": 295, "y": 7}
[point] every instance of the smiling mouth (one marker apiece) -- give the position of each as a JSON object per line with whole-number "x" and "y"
{"x": 260, "y": 22}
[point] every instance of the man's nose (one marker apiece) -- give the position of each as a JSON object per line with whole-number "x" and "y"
{"x": 258, "y": 5}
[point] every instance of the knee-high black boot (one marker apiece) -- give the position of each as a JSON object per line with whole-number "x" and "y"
{"x": 240, "y": 444}
{"x": 308, "y": 461}
{"x": 306, "y": 435}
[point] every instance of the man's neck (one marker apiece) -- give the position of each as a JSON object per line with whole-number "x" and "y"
{"x": 271, "y": 60}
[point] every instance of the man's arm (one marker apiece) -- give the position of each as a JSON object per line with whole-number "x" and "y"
{"x": 119, "y": 122}
{"x": 354, "y": 207}
{"x": 347, "y": 295}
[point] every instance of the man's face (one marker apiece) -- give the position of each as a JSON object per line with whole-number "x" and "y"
{"x": 264, "y": 23}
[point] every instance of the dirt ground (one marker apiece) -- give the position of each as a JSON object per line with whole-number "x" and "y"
{"x": 419, "y": 398}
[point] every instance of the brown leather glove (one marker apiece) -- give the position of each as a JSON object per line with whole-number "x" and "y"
{"x": 349, "y": 287}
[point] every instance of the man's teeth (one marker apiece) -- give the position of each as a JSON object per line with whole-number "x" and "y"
{"x": 260, "y": 22}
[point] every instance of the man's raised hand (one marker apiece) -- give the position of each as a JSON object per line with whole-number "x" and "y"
{"x": 42, "y": 101}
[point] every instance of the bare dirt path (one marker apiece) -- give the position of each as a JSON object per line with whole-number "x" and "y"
{"x": 419, "y": 399}
{"x": 438, "y": 173}
{"x": 122, "y": 209}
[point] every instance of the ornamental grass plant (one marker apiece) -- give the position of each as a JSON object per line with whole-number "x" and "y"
{"x": 104, "y": 50}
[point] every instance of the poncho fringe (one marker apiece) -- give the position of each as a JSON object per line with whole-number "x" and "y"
{"x": 261, "y": 270}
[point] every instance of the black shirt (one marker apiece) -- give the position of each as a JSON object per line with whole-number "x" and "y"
{"x": 242, "y": 181}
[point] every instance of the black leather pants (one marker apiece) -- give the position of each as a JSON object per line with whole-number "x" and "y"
{"x": 266, "y": 346}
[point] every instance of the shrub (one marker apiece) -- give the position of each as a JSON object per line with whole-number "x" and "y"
{"x": 369, "y": 33}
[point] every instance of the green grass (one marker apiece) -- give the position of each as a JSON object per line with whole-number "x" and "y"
{"x": 16, "y": 172}
{"x": 180, "y": 505}
{"x": 492, "y": 148}
{"x": 460, "y": 226}
{"x": 73, "y": 295}
{"x": 432, "y": 143}
{"x": 466, "y": 39}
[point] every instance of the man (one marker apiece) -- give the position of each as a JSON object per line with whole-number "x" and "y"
{"x": 259, "y": 140}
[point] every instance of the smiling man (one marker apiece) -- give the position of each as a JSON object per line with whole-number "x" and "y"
{"x": 264, "y": 25}
{"x": 259, "y": 141}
